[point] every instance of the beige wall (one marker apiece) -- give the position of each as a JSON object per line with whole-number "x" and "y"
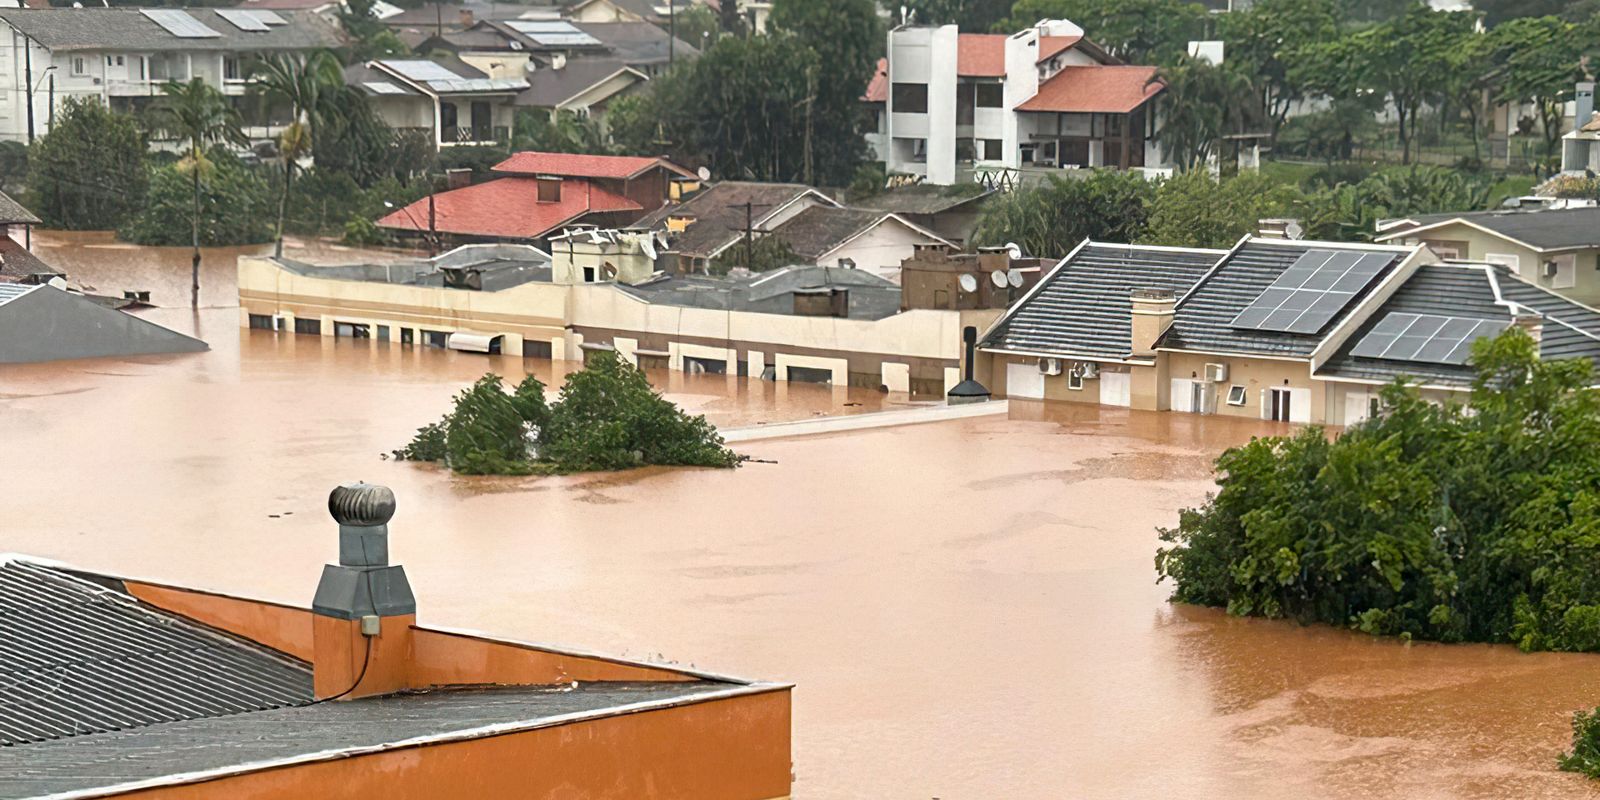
{"x": 880, "y": 250}
{"x": 1482, "y": 246}
{"x": 532, "y": 311}
{"x": 499, "y": 65}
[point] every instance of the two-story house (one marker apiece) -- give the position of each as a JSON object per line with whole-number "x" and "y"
{"x": 123, "y": 56}
{"x": 1045, "y": 97}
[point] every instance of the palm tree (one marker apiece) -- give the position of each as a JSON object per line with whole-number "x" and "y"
{"x": 310, "y": 87}
{"x": 198, "y": 114}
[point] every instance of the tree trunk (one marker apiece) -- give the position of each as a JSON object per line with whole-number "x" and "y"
{"x": 194, "y": 232}
{"x": 1405, "y": 139}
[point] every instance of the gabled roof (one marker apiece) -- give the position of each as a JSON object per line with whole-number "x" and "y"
{"x": 507, "y": 208}
{"x": 981, "y": 55}
{"x": 1472, "y": 291}
{"x": 819, "y": 230}
{"x": 43, "y": 323}
{"x": 1052, "y": 46}
{"x": 553, "y": 88}
{"x": 878, "y": 87}
{"x": 445, "y": 76}
{"x": 13, "y": 213}
{"x": 638, "y": 42}
{"x": 1102, "y": 89}
{"x": 1203, "y": 319}
{"x": 1545, "y": 231}
{"x": 77, "y": 659}
{"x": 923, "y": 198}
{"x": 1082, "y": 307}
{"x": 719, "y": 213}
{"x": 18, "y": 263}
{"x": 128, "y": 29}
{"x": 576, "y": 165}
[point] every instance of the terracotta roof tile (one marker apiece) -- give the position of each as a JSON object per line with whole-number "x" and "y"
{"x": 1052, "y": 46}
{"x": 573, "y": 165}
{"x": 1100, "y": 89}
{"x": 507, "y": 208}
{"x": 878, "y": 87}
{"x": 981, "y": 55}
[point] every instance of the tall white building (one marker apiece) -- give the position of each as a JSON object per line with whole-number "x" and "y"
{"x": 1045, "y": 97}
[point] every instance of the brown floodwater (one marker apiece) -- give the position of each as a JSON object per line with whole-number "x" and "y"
{"x": 968, "y": 608}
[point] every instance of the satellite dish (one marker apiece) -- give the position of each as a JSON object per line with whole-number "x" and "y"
{"x": 1014, "y": 277}
{"x": 969, "y": 283}
{"x": 647, "y": 245}
{"x": 999, "y": 279}
{"x": 1293, "y": 230}
{"x": 704, "y": 173}
{"x": 1014, "y": 250}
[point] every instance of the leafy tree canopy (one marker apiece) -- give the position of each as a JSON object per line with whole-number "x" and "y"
{"x": 1137, "y": 31}
{"x": 1435, "y": 521}
{"x": 1194, "y": 209}
{"x": 88, "y": 172}
{"x": 236, "y": 205}
{"x": 1051, "y": 218}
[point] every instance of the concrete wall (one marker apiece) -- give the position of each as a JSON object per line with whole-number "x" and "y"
{"x": 926, "y": 56}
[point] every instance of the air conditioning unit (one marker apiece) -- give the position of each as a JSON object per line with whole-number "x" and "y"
{"x": 1050, "y": 366}
{"x": 1090, "y": 370}
{"x": 1551, "y": 268}
{"x": 1216, "y": 373}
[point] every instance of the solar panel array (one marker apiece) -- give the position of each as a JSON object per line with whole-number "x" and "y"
{"x": 1425, "y": 337}
{"x": 383, "y": 87}
{"x": 552, "y": 33}
{"x": 1312, "y": 291}
{"x": 243, "y": 19}
{"x": 269, "y": 17}
{"x": 179, "y": 23}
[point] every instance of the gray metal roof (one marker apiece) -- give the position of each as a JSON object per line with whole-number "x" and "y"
{"x": 924, "y": 198}
{"x": 1554, "y": 229}
{"x": 87, "y": 763}
{"x": 78, "y": 658}
{"x": 1204, "y": 317}
{"x": 442, "y": 79}
{"x": 12, "y": 291}
{"x": 1082, "y": 306}
{"x": 1474, "y": 291}
{"x": 131, "y": 30}
{"x": 719, "y": 213}
{"x": 550, "y": 87}
{"x": 870, "y": 297}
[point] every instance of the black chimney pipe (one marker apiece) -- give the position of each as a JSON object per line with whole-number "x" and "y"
{"x": 969, "y": 390}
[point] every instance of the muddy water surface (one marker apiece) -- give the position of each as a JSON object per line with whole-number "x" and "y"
{"x": 967, "y": 608}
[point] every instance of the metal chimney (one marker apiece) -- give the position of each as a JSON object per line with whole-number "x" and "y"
{"x": 363, "y": 611}
{"x": 968, "y": 390}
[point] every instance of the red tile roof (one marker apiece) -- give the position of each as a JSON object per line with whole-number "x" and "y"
{"x": 1052, "y": 46}
{"x": 1100, "y": 89}
{"x": 981, "y": 55}
{"x": 878, "y": 87}
{"x": 572, "y": 165}
{"x": 507, "y": 208}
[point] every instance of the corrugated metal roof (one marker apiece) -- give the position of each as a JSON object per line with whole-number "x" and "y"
{"x": 78, "y": 658}
{"x": 1204, "y": 317}
{"x": 1083, "y": 307}
{"x": 12, "y": 291}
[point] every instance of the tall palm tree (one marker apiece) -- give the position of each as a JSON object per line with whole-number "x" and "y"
{"x": 198, "y": 114}
{"x": 311, "y": 87}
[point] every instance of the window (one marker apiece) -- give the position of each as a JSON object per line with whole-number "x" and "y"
{"x": 910, "y": 98}
{"x": 261, "y": 322}
{"x": 435, "y": 338}
{"x": 533, "y": 348}
{"x": 383, "y": 333}
{"x": 312, "y": 327}
{"x": 549, "y": 190}
{"x": 80, "y": 65}
{"x": 991, "y": 95}
{"x": 1236, "y": 395}
{"x": 991, "y": 149}
{"x": 230, "y": 68}
{"x": 1075, "y": 378}
{"x": 1563, "y": 271}
{"x": 1374, "y": 405}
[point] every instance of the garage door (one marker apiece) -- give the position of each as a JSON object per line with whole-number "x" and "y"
{"x": 1024, "y": 381}
{"x": 1116, "y": 389}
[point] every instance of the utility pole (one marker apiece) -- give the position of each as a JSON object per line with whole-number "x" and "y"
{"x": 749, "y": 235}
{"x": 672, "y": 30}
{"x": 27, "y": 77}
{"x": 433, "y": 227}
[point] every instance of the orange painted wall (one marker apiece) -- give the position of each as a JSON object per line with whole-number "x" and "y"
{"x": 283, "y": 628}
{"x": 438, "y": 658}
{"x": 732, "y": 749}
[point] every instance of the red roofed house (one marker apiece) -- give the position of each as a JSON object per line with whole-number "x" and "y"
{"x": 539, "y": 195}
{"x": 1047, "y": 96}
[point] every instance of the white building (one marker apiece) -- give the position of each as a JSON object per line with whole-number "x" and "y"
{"x": 122, "y": 56}
{"x": 455, "y": 103}
{"x": 1043, "y": 97}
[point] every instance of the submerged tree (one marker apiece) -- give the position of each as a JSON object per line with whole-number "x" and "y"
{"x": 197, "y": 113}
{"x": 311, "y": 87}
{"x": 607, "y": 418}
{"x": 1443, "y": 522}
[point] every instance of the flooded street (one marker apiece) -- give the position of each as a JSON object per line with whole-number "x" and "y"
{"x": 967, "y": 608}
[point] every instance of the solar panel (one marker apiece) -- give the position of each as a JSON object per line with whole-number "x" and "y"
{"x": 1312, "y": 291}
{"x": 11, "y": 291}
{"x": 243, "y": 20}
{"x": 420, "y": 70}
{"x": 552, "y": 33}
{"x": 179, "y": 23}
{"x": 266, "y": 16}
{"x": 383, "y": 87}
{"x": 1429, "y": 338}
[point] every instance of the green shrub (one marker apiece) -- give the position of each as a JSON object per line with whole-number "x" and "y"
{"x": 88, "y": 172}
{"x": 607, "y": 418}
{"x": 236, "y": 206}
{"x": 362, "y": 232}
{"x": 1476, "y": 523}
{"x": 1585, "y": 754}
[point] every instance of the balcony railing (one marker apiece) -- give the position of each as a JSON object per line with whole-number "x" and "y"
{"x": 487, "y": 134}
